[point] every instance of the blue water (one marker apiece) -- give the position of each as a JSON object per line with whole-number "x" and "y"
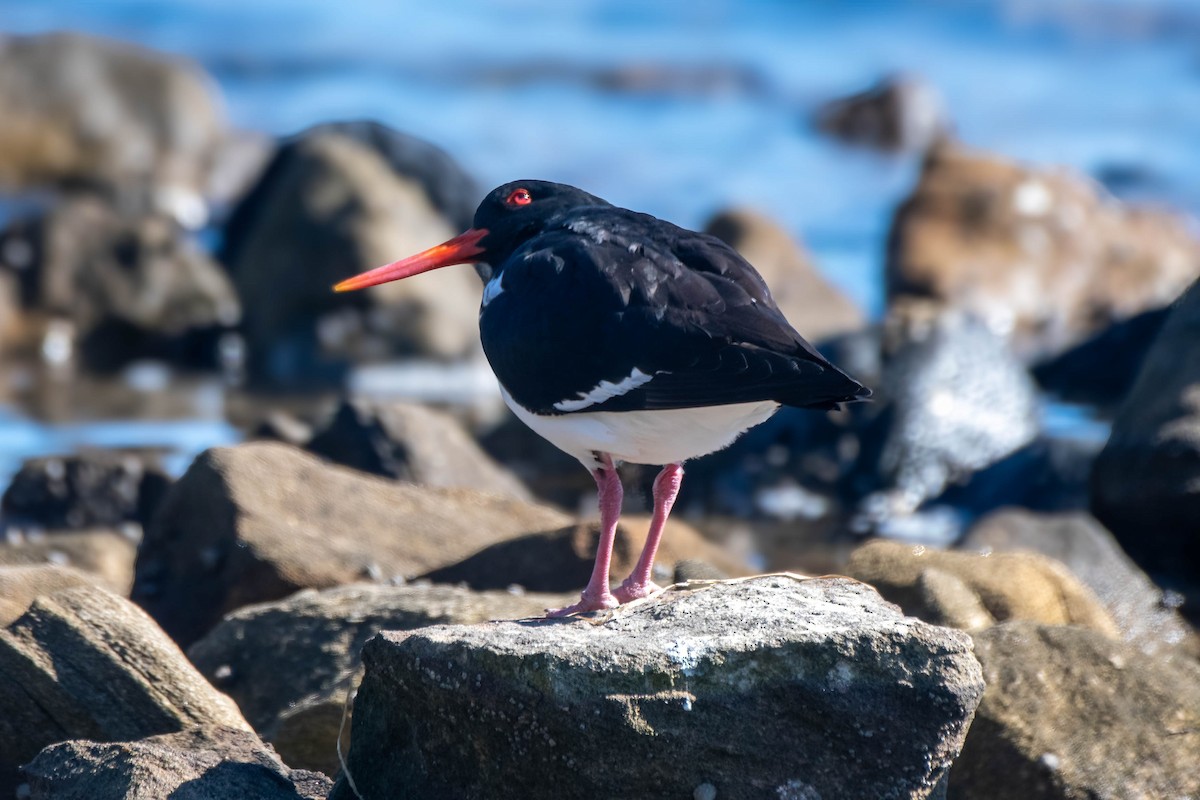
{"x": 509, "y": 89}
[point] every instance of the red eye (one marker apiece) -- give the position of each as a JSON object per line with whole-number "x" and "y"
{"x": 519, "y": 197}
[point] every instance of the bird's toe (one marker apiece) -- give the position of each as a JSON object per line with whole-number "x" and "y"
{"x": 587, "y": 602}
{"x": 635, "y": 590}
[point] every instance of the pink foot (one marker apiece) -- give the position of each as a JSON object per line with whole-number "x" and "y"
{"x": 587, "y": 602}
{"x": 632, "y": 590}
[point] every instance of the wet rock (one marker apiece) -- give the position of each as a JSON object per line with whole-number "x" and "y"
{"x": 1145, "y": 616}
{"x": 83, "y": 663}
{"x": 106, "y": 554}
{"x": 771, "y": 686}
{"x": 815, "y": 306}
{"x": 289, "y": 665}
{"x": 328, "y": 207}
{"x": 257, "y": 522}
{"x": 412, "y": 443}
{"x": 1146, "y": 481}
{"x": 21, "y": 585}
{"x": 201, "y": 764}
{"x": 900, "y": 112}
{"x": 95, "y": 488}
{"x": 561, "y": 560}
{"x": 1042, "y": 256}
{"x": 85, "y": 110}
{"x": 973, "y": 591}
{"x": 118, "y": 288}
{"x": 1069, "y": 713}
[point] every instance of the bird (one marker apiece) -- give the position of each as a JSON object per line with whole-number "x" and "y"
{"x": 621, "y": 337}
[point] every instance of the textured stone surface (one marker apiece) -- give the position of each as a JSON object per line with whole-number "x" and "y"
{"x": 21, "y": 585}
{"x": 257, "y": 522}
{"x": 83, "y": 663}
{"x": 199, "y": 764}
{"x": 767, "y": 687}
{"x": 1070, "y": 714}
{"x": 107, "y": 555}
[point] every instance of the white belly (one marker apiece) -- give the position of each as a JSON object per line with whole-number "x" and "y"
{"x": 645, "y": 437}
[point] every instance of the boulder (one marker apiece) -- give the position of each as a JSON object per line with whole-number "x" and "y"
{"x": 1043, "y": 256}
{"x": 257, "y": 522}
{"x": 1146, "y": 618}
{"x": 413, "y": 443}
{"x": 21, "y": 585}
{"x": 815, "y": 306}
{"x": 105, "y": 554}
{"x": 83, "y": 110}
{"x": 1146, "y": 481}
{"x": 1069, "y": 713}
{"x": 900, "y": 112}
{"x": 91, "y": 489}
{"x": 197, "y": 764}
{"x": 83, "y": 663}
{"x": 289, "y": 665}
{"x": 973, "y": 591}
{"x": 328, "y": 207}
{"x": 767, "y": 687}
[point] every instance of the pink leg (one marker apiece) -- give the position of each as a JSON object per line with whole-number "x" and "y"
{"x": 597, "y": 595}
{"x": 666, "y": 489}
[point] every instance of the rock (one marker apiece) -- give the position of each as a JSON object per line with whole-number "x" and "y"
{"x": 1146, "y": 481}
{"x": 1042, "y": 256}
{"x": 326, "y": 208}
{"x": 1069, "y": 713}
{"x": 83, "y": 663}
{"x": 900, "y": 112}
{"x": 21, "y": 585}
{"x": 814, "y": 305}
{"x": 1145, "y": 617}
{"x": 561, "y": 560}
{"x": 973, "y": 591}
{"x": 90, "y": 489}
{"x": 85, "y": 110}
{"x": 771, "y": 686}
{"x": 124, "y": 287}
{"x": 201, "y": 764}
{"x": 106, "y": 554}
{"x": 289, "y": 664}
{"x": 257, "y": 522}
{"x": 413, "y": 443}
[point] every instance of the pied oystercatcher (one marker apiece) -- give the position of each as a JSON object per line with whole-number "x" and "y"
{"x": 620, "y": 337}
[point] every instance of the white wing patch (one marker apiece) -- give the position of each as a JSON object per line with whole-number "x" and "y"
{"x": 493, "y": 289}
{"x": 603, "y": 391}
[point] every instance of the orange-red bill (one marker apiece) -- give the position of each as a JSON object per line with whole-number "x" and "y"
{"x": 462, "y": 249}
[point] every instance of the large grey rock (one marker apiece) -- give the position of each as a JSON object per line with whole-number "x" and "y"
{"x": 198, "y": 764}
{"x": 257, "y": 522}
{"x": 768, "y": 687}
{"x": 83, "y": 663}
{"x": 1139, "y": 608}
{"x": 289, "y": 665}
{"x": 1070, "y": 714}
{"x": 21, "y": 585}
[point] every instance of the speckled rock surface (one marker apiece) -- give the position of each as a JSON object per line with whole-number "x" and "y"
{"x": 765, "y": 687}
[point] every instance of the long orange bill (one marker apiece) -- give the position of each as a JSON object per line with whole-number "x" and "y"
{"x": 462, "y": 249}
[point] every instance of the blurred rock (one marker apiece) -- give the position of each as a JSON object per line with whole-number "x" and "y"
{"x": 83, "y": 663}
{"x": 1069, "y": 713}
{"x": 549, "y": 473}
{"x": 1079, "y": 542}
{"x": 124, "y": 287}
{"x": 21, "y": 585}
{"x": 328, "y": 207}
{"x": 199, "y": 764}
{"x": 1146, "y": 482}
{"x": 84, "y": 110}
{"x": 767, "y": 687}
{"x": 91, "y": 489}
{"x": 257, "y": 522}
{"x": 1042, "y": 256}
{"x": 412, "y": 443}
{"x": 561, "y": 560}
{"x": 290, "y": 664}
{"x": 814, "y": 305}
{"x": 107, "y": 554}
{"x": 900, "y": 112}
{"x": 973, "y": 591}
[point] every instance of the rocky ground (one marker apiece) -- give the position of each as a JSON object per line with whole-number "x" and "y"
{"x": 311, "y": 613}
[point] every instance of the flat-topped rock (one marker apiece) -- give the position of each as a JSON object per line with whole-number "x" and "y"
{"x": 765, "y": 687}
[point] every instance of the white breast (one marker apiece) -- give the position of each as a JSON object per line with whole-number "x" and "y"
{"x": 645, "y": 437}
